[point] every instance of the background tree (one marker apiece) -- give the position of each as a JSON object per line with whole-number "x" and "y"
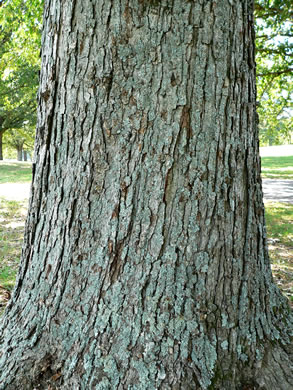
{"x": 274, "y": 43}
{"x": 275, "y": 110}
{"x": 22, "y": 140}
{"x": 145, "y": 262}
{"x": 19, "y": 64}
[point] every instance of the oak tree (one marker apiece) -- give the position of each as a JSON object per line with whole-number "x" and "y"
{"x": 145, "y": 261}
{"x": 19, "y": 64}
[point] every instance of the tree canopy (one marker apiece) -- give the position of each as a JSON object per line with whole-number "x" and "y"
{"x": 20, "y": 31}
{"x": 274, "y": 57}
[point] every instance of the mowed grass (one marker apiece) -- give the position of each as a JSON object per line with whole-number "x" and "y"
{"x": 12, "y": 220}
{"x": 15, "y": 172}
{"x": 279, "y": 220}
{"x": 277, "y": 167}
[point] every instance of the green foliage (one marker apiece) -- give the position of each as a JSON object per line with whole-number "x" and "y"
{"x": 22, "y": 138}
{"x": 277, "y": 167}
{"x": 274, "y": 57}
{"x": 20, "y": 35}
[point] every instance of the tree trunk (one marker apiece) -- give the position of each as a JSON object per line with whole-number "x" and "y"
{"x": 19, "y": 153}
{"x": 1, "y": 144}
{"x": 145, "y": 263}
{"x": 24, "y": 155}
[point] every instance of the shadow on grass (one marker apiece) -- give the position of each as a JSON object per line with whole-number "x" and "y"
{"x": 279, "y": 221}
{"x": 277, "y": 167}
{"x": 12, "y": 220}
{"x": 15, "y": 172}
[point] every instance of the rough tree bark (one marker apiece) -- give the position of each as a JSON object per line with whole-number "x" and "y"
{"x": 145, "y": 263}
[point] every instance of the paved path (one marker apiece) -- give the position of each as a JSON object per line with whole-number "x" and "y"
{"x": 278, "y": 190}
{"x": 15, "y": 191}
{"x": 276, "y": 151}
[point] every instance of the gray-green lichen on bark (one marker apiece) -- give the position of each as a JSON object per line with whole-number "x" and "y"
{"x": 145, "y": 263}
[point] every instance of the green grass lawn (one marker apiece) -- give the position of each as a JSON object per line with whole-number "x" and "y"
{"x": 15, "y": 172}
{"x": 279, "y": 220}
{"x": 277, "y": 167}
{"x": 12, "y": 220}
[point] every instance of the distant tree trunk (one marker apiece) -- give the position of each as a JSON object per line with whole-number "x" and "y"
{"x": 145, "y": 262}
{"x": 19, "y": 153}
{"x": 1, "y": 144}
{"x": 24, "y": 155}
{"x": 1, "y": 137}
